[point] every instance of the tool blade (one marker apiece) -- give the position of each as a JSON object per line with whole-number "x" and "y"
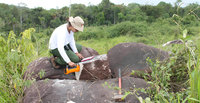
{"x": 91, "y": 59}
{"x": 77, "y": 74}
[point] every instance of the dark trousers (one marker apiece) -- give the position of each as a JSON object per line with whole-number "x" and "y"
{"x": 72, "y": 56}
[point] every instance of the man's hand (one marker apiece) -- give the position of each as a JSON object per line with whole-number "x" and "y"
{"x": 72, "y": 64}
{"x": 80, "y": 56}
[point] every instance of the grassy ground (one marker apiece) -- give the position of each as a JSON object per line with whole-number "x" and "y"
{"x": 103, "y": 45}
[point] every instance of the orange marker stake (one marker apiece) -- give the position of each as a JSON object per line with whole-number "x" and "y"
{"x": 120, "y": 83}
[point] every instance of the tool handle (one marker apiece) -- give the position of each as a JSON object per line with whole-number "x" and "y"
{"x": 67, "y": 66}
{"x": 68, "y": 70}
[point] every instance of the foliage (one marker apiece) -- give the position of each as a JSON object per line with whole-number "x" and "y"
{"x": 15, "y": 56}
{"x": 121, "y": 29}
{"x": 91, "y": 33}
{"x": 137, "y": 31}
{"x": 100, "y": 18}
{"x": 176, "y": 79}
{"x": 121, "y": 17}
{"x": 193, "y": 71}
{"x": 18, "y": 18}
{"x": 132, "y": 28}
{"x": 169, "y": 78}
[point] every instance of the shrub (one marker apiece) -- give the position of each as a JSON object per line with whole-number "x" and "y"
{"x": 170, "y": 78}
{"x": 134, "y": 28}
{"x": 91, "y": 33}
{"x": 15, "y": 56}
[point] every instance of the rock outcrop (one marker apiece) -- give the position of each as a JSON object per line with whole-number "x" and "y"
{"x": 43, "y": 66}
{"x": 132, "y": 56}
{"x": 97, "y": 68}
{"x": 173, "y": 42}
{"x": 62, "y": 91}
{"x": 95, "y": 84}
{"x": 87, "y": 52}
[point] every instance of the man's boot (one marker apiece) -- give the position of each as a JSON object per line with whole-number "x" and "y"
{"x": 55, "y": 65}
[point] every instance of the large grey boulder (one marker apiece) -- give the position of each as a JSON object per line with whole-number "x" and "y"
{"x": 62, "y": 91}
{"x": 91, "y": 70}
{"x": 87, "y": 52}
{"x": 132, "y": 56}
{"x": 43, "y": 66}
{"x": 96, "y": 68}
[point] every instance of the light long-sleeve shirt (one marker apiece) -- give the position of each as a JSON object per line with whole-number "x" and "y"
{"x": 61, "y": 37}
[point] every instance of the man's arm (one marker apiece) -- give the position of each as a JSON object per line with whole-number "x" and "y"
{"x": 73, "y": 46}
{"x": 60, "y": 43}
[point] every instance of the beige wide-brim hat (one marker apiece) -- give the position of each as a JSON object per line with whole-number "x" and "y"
{"x": 77, "y": 23}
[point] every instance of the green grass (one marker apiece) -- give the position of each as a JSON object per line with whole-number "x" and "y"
{"x": 103, "y": 45}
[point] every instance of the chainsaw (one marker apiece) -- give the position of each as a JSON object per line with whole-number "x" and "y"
{"x": 69, "y": 69}
{"x": 78, "y": 68}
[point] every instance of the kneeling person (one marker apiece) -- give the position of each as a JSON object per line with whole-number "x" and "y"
{"x": 62, "y": 44}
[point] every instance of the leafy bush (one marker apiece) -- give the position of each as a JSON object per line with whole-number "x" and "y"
{"x": 193, "y": 31}
{"x": 91, "y": 33}
{"x": 176, "y": 79}
{"x": 133, "y": 28}
{"x": 15, "y": 56}
{"x": 136, "y": 29}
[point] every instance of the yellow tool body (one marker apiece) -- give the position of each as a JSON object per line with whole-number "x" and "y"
{"x": 69, "y": 69}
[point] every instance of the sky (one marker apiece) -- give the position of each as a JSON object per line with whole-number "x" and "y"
{"x": 58, "y": 4}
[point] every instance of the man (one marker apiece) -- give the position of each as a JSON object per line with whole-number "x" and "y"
{"x": 62, "y": 44}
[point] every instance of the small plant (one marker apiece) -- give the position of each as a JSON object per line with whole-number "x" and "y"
{"x": 16, "y": 54}
{"x": 170, "y": 77}
{"x": 114, "y": 87}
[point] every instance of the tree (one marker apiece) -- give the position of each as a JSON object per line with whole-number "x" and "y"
{"x": 193, "y": 8}
{"x": 6, "y": 15}
{"x": 177, "y": 3}
{"x": 167, "y": 9}
{"x": 44, "y": 16}
{"x": 133, "y": 5}
{"x": 100, "y": 18}
{"x": 21, "y": 5}
{"x": 42, "y": 21}
{"x": 177, "y": 6}
{"x": 15, "y": 12}
{"x": 65, "y": 15}
{"x": 135, "y": 13}
{"x": 121, "y": 17}
{"x": 2, "y": 24}
{"x": 106, "y": 7}
{"x": 90, "y": 14}
{"x": 116, "y": 10}
{"x": 153, "y": 12}
{"x": 55, "y": 22}
{"x": 14, "y": 21}
{"x": 78, "y": 10}
{"x": 189, "y": 19}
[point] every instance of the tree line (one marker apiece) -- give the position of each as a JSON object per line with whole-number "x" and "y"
{"x": 20, "y": 17}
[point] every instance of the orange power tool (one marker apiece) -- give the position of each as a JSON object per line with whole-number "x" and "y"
{"x": 69, "y": 69}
